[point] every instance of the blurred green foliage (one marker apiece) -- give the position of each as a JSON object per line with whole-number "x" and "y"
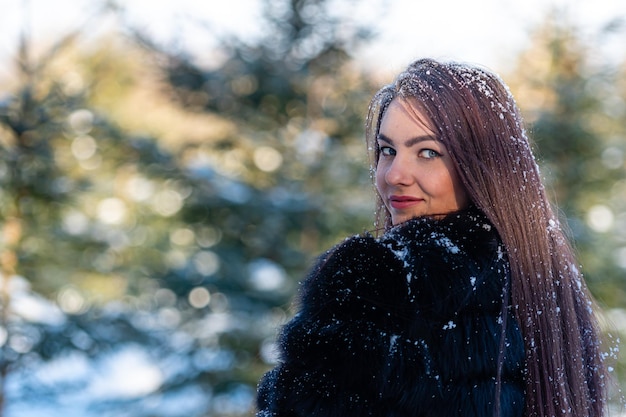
{"x": 149, "y": 201}
{"x": 575, "y": 105}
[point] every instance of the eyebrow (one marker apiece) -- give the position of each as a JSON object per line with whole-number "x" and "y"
{"x": 409, "y": 142}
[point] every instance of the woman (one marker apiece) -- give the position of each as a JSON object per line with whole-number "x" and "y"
{"x": 470, "y": 303}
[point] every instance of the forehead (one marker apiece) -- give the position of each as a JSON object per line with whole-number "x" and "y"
{"x": 402, "y": 115}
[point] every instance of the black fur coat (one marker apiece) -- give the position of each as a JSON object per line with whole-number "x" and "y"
{"x": 408, "y": 324}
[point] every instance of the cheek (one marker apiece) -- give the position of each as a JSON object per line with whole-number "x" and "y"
{"x": 379, "y": 178}
{"x": 456, "y": 190}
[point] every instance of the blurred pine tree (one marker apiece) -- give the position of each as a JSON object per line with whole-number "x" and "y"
{"x": 168, "y": 206}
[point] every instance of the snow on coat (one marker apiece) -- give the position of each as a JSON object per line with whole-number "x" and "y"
{"x": 408, "y": 324}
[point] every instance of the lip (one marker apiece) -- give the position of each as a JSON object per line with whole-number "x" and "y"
{"x": 400, "y": 202}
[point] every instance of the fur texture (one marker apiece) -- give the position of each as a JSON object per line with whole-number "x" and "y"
{"x": 409, "y": 324}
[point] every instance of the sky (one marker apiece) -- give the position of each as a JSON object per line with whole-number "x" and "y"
{"x": 487, "y": 32}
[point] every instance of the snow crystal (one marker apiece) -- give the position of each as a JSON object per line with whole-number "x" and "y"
{"x": 500, "y": 253}
{"x": 450, "y": 325}
{"x": 401, "y": 254}
{"x": 553, "y": 225}
{"x": 446, "y": 243}
{"x": 473, "y": 282}
{"x": 577, "y": 280}
{"x": 393, "y": 340}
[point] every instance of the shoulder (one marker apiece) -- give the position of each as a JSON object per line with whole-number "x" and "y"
{"x": 359, "y": 273}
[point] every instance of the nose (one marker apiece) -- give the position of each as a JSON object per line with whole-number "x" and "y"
{"x": 398, "y": 172}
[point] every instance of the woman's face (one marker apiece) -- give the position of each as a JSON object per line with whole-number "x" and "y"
{"x": 415, "y": 175}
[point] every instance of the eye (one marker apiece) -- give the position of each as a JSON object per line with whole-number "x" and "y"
{"x": 387, "y": 151}
{"x": 429, "y": 154}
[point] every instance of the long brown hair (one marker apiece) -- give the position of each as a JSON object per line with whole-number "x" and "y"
{"x": 478, "y": 121}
